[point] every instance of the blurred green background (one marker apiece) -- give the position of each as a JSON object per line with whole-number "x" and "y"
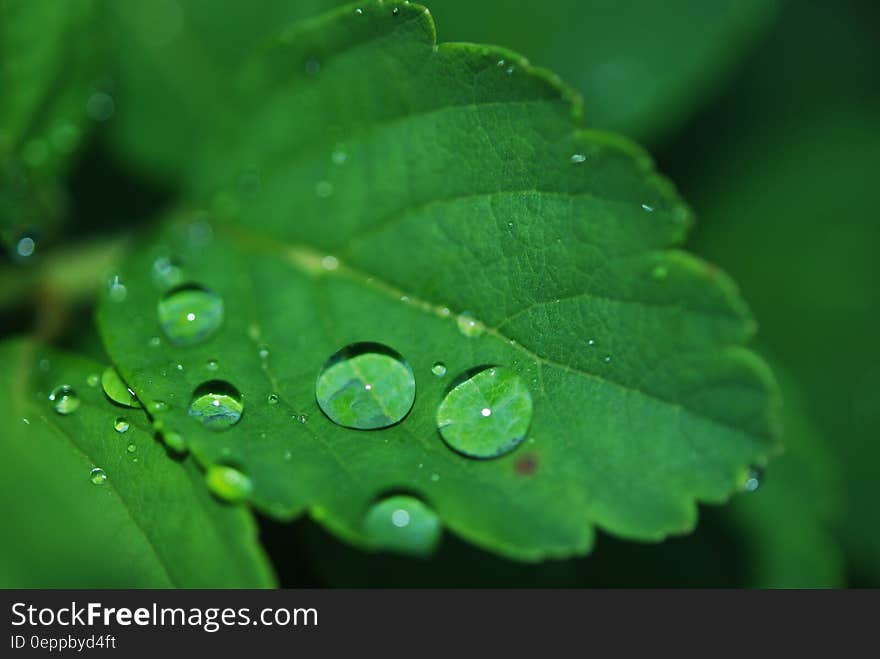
{"x": 765, "y": 114}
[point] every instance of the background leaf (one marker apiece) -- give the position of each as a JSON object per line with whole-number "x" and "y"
{"x": 457, "y": 183}
{"x": 53, "y": 89}
{"x": 150, "y": 524}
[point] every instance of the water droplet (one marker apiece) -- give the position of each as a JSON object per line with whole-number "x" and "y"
{"x": 439, "y": 369}
{"x": 648, "y": 208}
{"x": 166, "y": 273}
{"x": 324, "y": 189}
{"x": 154, "y": 342}
{"x": 329, "y": 263}
{"x": 359, "y": 11}
{"x": 116, "y": 290}
{"x": 607, "y": 359}
{"x": 302, "y": 418}
{"x": 485, "y": 413}
{"x": 212, "y": 364}
{"x": 753, "y": 480}
{"x": 174, "y": 441}
{"x": 501, "y": 63}
{"x": 578, "y": 158}
{"x": 366, "y": 386}
{"x": 116, "y": 390}
{"x": 469, "y": 326}
{"x": 131, "y": 448}
{"x": 228, "y": 483}
{"x": 98, "y": 476}
{"x": 435, "y": 477}
{"x": 100, "y": 106}
{"x": 312, "y": 66}
{"x": 263, "y": 353}
{"x": 64, "y": 399}
{"x": 121, "y": 425}
{"x": 217, "y": 404}
{"x": 403, "y": 524}
{"x": 339, "y": 157}
{"x": 25, "y": 247}
{"x": 93, "y": 380}
{"x": 591, "y": 342}
{"x": 272, "y": 399}
{"x": 45, "y": 364}
{"x": 158, "y": 406}
{"x": 395, "y": 11}
{"x": 189, "y": 314}
{"x": 510, "y": 70}
{"x": 25, "y": 421}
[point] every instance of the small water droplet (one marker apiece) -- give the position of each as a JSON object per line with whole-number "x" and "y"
{"x": 217, "y": 404}
{"x": 154, "y": 342}
{"x": 25, "y": 247}
{"x": 607, "y": 359}
{"x": 212, "y": 364}
{"x": 578, "y": 158}
{"x": 359, "y": 11}
{"x": 263, "y": 353}
{"x": 510, "y": 70}
{"x": 501, "y": 63}
{"x": 98, "y": 476}
{"x": 648, "y": 208}
{"x": 116, "y": 390}
{"x": 404, "y": 524}
{"x": 131, "y": 448}
{"x": 93, "y": 380}
{"x": 120, "y": 425}
{"x": 324, "y": 189}
{"x": 167, "y": 273}
{"x": 25, "y": 421}
{"x": 228, "y": 483}
{"x": 366, "y": 386}
{"x": 485, "y": 413}
{"x": 339, "y": 157}
{"x": 395, "y": 11}
{"x": 302, "y": 418}
{"x": 330, "y": 263}
{"x": 439, "y": 369}
{"x": 100, "y": 106}
{"x": 753, "y": 479}
{"x": 591, "y": 342}
{"x": 435, "y": 477}
{"x": 469, "y": 326}
{"x": 158, "y": 406}
{"x": 174, "y": 441}
{"x": 64, "y": 399}
{"x": 116, "y": 290}
{"x": 45, "y": 364}
{"x": 312, "y": 67}
{"x": 272, "y": 399}
{"x": 189, "y": 314}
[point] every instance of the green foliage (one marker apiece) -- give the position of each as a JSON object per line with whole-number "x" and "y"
{"x": 91, "y": 500}
{"x": 454, "y": 185}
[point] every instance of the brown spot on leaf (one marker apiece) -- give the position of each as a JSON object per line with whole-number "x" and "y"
{"x": 526, "y": 465}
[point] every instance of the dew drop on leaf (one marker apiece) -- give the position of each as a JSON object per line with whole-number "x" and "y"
{"x": 228, "y": 483}
{"x": 217, "y": 404}
{"x": 131, "y": 448}
{"x": 404, "y": 524}
{"x": 120, "y": 425}
{"x": 98, "y": 476}
{"x": 272, "y": 399}
{"x": 93, "y": 380}
{"x": 439, "y": 369}
{"x": 366, "y": 386}
{"x": 469, "y": 326}
{"x": 486, "y": 412}
{"x": 116, "y": 290}
{"x": 64, "y": 399}
{"x": 189, "y": 314}
{"x": 166, "y": 272}
{"x": 116, "y": 390}
{"x": 753, "y": 479}
{"x": 25, "y": 247}
{"x": 577, "y": 158}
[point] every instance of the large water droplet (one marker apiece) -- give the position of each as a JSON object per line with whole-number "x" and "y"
{"x": 228, "y": 483}
{"x": 116, "y": 390}
{"x": 439, "y": 369}
{"x": 98, "y": 476}
{"x": 366, "y": 386}
{"x": 217, "y": 404}
{"x": 189, "y": 314}
{"x": 121, "y": 425}
{"x": 486, "y": 412}
{"x": 64, "y": 399}
{"x": 403, "y": 524}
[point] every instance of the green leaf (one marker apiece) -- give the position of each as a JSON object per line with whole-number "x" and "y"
{"x": 50, "y": 72}
{"x": 426, "y": 199}
{"x": 93, "y": 500}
